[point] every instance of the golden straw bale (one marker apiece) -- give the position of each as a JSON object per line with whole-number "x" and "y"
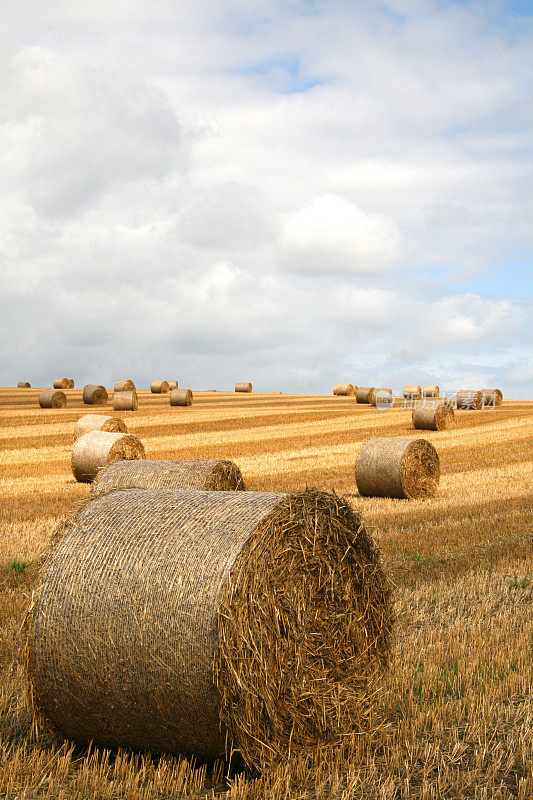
{"x": 172, "y": 385}
{"x": 52, "y": 398}
{"x": 363, "y": 394}
{"x": 207, "y": 474}
{"x": 99, "y": 422}
{"x": 433, "y": 417}
{"x": 243, "y": 387}
{"x": 381, "y": 398}
{"x": 23, "y": 385}
{"x": 95, "y": 449}
{"x": 125, "y": 401}
{"x": 411, "y": 392}
{"x": 159, "y": 387}
{"x": 344, "y": 390}
{"x": 185, "y": 622}
{"x": 491, "y": 397}
{"x": 430, "y": 391}
{"x": 95, "y": 395}
{"x": 469, "y": 399}
{"x": 71, "y": 383}
{"x": 61, "y": 383}
{"x": 181, "y": 397}
{"x": 124, "y": 386}
{"x": 397, "y": 467}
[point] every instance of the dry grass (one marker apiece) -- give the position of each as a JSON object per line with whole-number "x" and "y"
{"x": 457, "y": 719}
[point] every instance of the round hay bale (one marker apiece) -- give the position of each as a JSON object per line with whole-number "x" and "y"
{"x": 23, "y": 385}
{"x": 71, "y": 383}
{"x": 433, "y": 417}
{"x": 95, "y": 395}
{"x": 52, "y": 398}
{"x": 363, "y": 393}
{"x": 397, "y": 467}
{"x": 196, "y": 622}
{"x": 243, "y": 387}
{"x": 159, "y": 387}
{"x": 99, "y": 422}
{"x": 124, "y": 386}
{"x": 381, "y": 398}
{"x": 206, "y": 474}
{"x": 125, "y": 401}
{"x": 411, "y": 392}
{"x": 491, "y": 397}
{"x": 430, "y": 391}
{"x": 181, "y": 397}
{"x": 172, "y": 385}
{"x": 469, "y": 399}
{"x": 61, "y": 383}
{"x": 344, "y": 390}
{"x": 95, "y": 449}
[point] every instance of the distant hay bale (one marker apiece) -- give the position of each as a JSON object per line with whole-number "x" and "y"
{"x": 52, "y": 398}
{"x": 61, "y": 383}
{"x": 243, "y": 387}
{"x": 201, "y": 474}
{"x": 125, "y": 401}
{"x": 397, "y": 467}
{"x": 95, "y": 449}
{"x": 98, "y": 422}
{"x": 183, "y": 622}
{"x": 172, "y": 385}
{"x": 430, "y": 391}
{"x": 433, "y": 417}
{"x": 381, "y": 398}
{"x": 411, "y": 392}
{"x": 159, "y": 387}
{"x": 95, "y": 395}
{"x": 469, "y": 399}
{"x": 124, "y": 386}
{"x": 491, "y": 397}
{"x": 23, "y": 385}
{"x": 181, "y": 397}
{"x": 71, "y": 383}
{"x": 363, "y": 394}
{"x": 344, "y": 390}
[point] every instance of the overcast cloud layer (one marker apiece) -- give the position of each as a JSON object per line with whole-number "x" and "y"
{"x": 291, "y": 193}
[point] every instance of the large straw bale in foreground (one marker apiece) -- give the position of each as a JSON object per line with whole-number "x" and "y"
{"x": 344, "y": 389}
{"x": 491, "y": 397}
{"x": 125, "y": 401}
{"x": 61, "y": 383}
{"x": 469, "y": 399}
{"x": 52, "y": 398}
{"x": 23, "y": 385}
{"x": 243, "y": 387}
{"x": 168, "y": 620}
{"x": 397, "y": 467}
{"x": 95, "y": 395}
{"x": 363, "y": 393}
{"x": 98, "y": 422}
{"x": 181, "y": 397}
{"x": 430, "y": 391}
{"x": 412, "y": 392}
{"x": 433, "y": 417}
{"x": 201, "y": 474}
{"x": 95, "y": 449}
{"x": 124, "y": 386}
{"x": 159, "y": 387}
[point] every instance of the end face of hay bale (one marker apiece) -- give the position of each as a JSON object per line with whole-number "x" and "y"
{"x": 194, "y": 475}
{"x": 430, "y": 391}
{"x": 52, "y": 398}
{"x": 23, "y": 385}
{"x": 124, "y": 386}
{"x": 95, "y": 395}
{"x": 344, "y": 390}
{"x": 397, "y": 467}
{"x": 243, "y": 387}
{"x": 172, "y": 385}
{"x": 411, "y": 392}
{"x": 469, "y": 399}
{"x": 232, "y": 591}
{"x": 125, "y": 401}
{"x": 61, "y": 383}
{"x": 491, "y": 397}
{"x": 363, "y": 393}
{"x": 433, "y": 417}
{"x": 95, "y": 449}
{"x": 181, "y": 397}
{"x": 98, "y": 422}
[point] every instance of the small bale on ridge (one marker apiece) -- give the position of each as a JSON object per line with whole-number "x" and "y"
{"x": 206, "y": 474}
{"x": 99, "y": 422}
{"x": 125, "y": 401}
{"x": 124, "y": 386}
{"x": 363, "y": 394}
{"x": 381, "y": 398}
{"x": 243, "y": 387}
{"x": 469, "y": 399}
{"x": 23, "y": 385}
{"x": 397, "y": 467}
{"x": 95, "y": 395}
{"x": 61, "y": 383}
{"x": 344, "y": 390}
{"x": 52, "y": 398}
{"x": 159, "y": 387}
{"x": 430, "y": 391}
{"x": 181, "y": 397}
{"x": 95, "y": 449}
{"x": 491, "y": 397}
{"x": 433, "y": 417}
{"x": 411, "y": 392}
{"x": 172, "y": 385}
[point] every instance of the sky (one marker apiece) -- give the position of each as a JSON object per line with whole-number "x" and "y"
{"x": 291, "y": 192}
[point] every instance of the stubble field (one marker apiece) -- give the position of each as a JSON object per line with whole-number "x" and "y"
{"x": 456, "y": 718}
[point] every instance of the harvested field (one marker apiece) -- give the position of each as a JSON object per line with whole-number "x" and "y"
{"x": 457, "y": 719}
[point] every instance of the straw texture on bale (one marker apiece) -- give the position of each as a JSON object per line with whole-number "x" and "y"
{"x": 159, "y": 387}
{"x": 95, "y": 395}
{"x": 243, "y": 387}
{"x": 71, "y": 383}
{"x": 61, "y": 383}
{"x": 181, "y": 397}
{"x": 98, "y": 422}
{"x": 23, "y": 385}
{"x": 469, "y": 399}
{"x": 397, "y": 467}
{"x": 202, "y": 474}
{"x": 430, "y": 391}
{"x": 194, "y": 622}
{"x": 96, "y": 449}
{"x": 381, "y": 398}
{"x": 52, "y": 398}
{"x": 433, "y": 417}
{"x": 125, "y": 401}
{"x": 411, "y": 392}
{"x": 344, "y": 389}
{"x": 491, "y": 397}
{"x": 124, "y": 386}
{"x": 172, "y": 385}
{"x": 363, "y": 393}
